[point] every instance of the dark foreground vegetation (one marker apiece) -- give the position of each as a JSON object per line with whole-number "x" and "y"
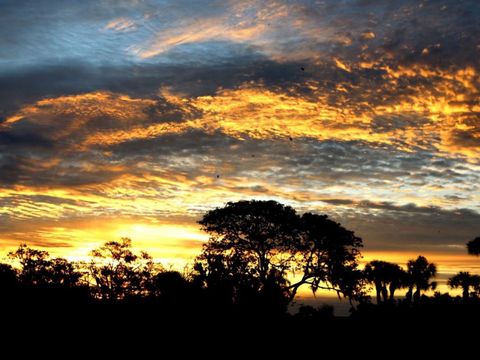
{"x": 243, "y": 276}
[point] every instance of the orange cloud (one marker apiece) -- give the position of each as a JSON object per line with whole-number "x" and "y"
{"x": 197, "y": 32}
{"x": 436, "y": 114}
{"x": 261, "y": 30}
{"x": 368, "y": 35}
{"x": 234, "y": 27}
{"x": 121, "y": 24}
{"x": 71, "y": 114}
{"x": 451, "y": 115}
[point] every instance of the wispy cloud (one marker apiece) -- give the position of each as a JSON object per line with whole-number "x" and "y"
{"x": 121, "y": 24}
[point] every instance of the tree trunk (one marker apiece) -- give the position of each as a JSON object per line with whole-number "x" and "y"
{"x": 384, "y": 294}
{"x": 409, "y": 294}
{"x": 378, "y": 288}
{"x": 392, "y": 293}
{"x": 416, "y": 295}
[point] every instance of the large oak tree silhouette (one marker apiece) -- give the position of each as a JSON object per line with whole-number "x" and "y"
{"x": 275, "y": 250}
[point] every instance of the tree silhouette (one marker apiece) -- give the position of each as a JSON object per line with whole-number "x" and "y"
{"x": 326, "y": 256}
{"x": 38, "y": 269}
{"x": 64, "y": 273}
{"x": 118, "y": 272}
{"x": 386, "y": 277}
{"x": 420, "y": 272}
{"x": 465, "y": 281}
{"x": 259, "y": 243}
{"x": 398, "y": 280}
{"x": 228, "y": 277}
{"x": 32, "y": 264}
{"x": 473, "y": 246}
{"x": 169, "y": 283}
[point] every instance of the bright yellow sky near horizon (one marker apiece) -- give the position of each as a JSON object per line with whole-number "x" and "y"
{"x": 175, "y": 246}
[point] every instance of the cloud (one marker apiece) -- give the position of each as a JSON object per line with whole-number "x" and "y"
{"x": 417, "y": 228}
{"x": 154, "y": 110}
{"x": 417, "y": 119}
{"x": 121, "y": 24}
{"x": 244, "y": 22}
{"x": 99, "y": 123}
{"x": 189, "y": 33}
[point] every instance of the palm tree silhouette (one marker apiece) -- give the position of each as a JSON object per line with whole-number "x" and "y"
{"x": 398, "y": 279}
{"x": 420, "y": 272}
{"x": 465, "y": 281}
{"x": 386, "y": 277}
{"x": 374, "y": 273}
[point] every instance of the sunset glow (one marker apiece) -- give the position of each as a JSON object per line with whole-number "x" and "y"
{"x": 134, "y": 119}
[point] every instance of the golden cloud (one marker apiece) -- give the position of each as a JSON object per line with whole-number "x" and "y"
{"x": 436, "y": 114}
{"x": 447, "y": 106}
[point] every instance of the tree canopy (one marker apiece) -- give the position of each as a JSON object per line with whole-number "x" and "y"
{"x": 267, "y": 240}
{"x": 386, "y": 277}
{"x": 473, "y": 246}
{"x": 38, "y": 269}
{"x": 420, "y": 272}
{"x": 118, "y": 272}
{"x": 465, "y": 281}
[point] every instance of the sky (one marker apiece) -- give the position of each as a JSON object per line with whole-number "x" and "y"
{"x": 135, "y": 117}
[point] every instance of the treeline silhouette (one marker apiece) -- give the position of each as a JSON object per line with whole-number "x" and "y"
{"x": 259, "y": 255}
